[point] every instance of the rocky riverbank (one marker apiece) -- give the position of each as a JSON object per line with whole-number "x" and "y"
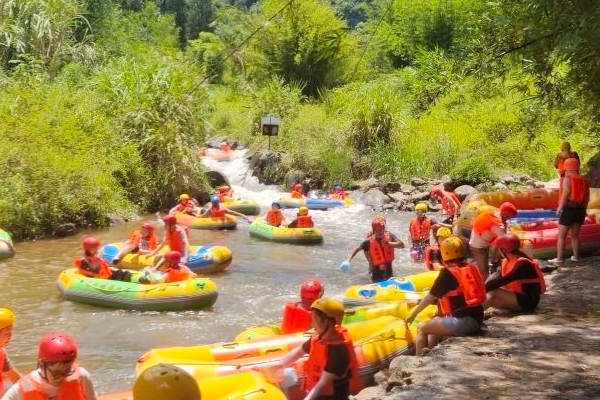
{"x": 552, "y": 354}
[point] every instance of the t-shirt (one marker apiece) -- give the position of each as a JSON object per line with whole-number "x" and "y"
{"x": 446, "y": 282}
{"x": 14, "y": 393}
{"x": 337, "y": 363}
{"x": 522, "y": 270}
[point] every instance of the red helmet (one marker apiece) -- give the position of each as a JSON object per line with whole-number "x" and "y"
{"x": 436, "y": 191}
{"x": 91, "y": 243}
{"x": 571, "y": 164}
{"x": 173, "y": 256}
{"x": 377, "y": 223}
{"x": 298, "y": 187}
{"x": 148, "y": 226}
{"x": 310, "y": 291}
{"x": 169, "y": 219}
{"x": 508, "y": 242}
{"x": 57, "y": 347}
{"x": 508, "y": 208}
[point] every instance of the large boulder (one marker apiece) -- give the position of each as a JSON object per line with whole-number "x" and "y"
{"x": 593, "y": 174}
{"x": 294, "y": 176}
{"x": 463, "y": 191}
{"x": 264, "y": 165}
{"x": 375, "y": 198}
{"x": 367, "y": 184}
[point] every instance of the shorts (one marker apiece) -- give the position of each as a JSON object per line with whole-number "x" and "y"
{"x": 528, "y": 302}
{"x": 461, "y": 326}
{"x": 572, "y": 215}
{"x": 480, "y": 241}
{"x": 381, "y": 273}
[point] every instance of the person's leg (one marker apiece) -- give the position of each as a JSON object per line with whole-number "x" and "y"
{"x": 575, "y": 244}
{"x": 434, "y": 327}
{"x": 481, "y": 259}
{"x": 560, "y": 242}
{"x": 502, "y": 299}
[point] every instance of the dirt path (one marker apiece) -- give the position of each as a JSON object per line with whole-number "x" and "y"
{"x": 553, "y": 354}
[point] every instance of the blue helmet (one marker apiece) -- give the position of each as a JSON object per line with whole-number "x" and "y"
{"x": 214, "y": 200}
{"x": 276, "y": 203}
{"x": 338, "y": 187}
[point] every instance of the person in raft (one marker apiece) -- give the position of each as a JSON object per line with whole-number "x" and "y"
{"x": 419, "y": 232}
{"x": 176, "y": 237}
{"x": 331, "y": 360}
{"x": 217, "y": 210}
{"x": 225, "y": 147}
{"x": 379, "y": 251}
{"x": 56, "y": 376}
{"x": 302, "y": 220}
{"x": 338, "y": 193}
{"x": 224, "y": 193}
{"x": 274, "y": 216}
{"x": 186, "y": 206}
{"x": 173, "y": 270}
{"x": 450, "y": 203}
{"x": 564, "y": 154}
{"x": 7, "y": 370}
{"x": 459, "y": 291}
{"x": 297, "y": 317}
{"x": 92, "y": 266}
{"x": 519, "y": 283}
{"x": 573, "y": 198}
{"x": 487, "y": 226}
{"x": 141, "y": 241}
{"x": 297, "y": 191}
{"x": 433, "y": 255}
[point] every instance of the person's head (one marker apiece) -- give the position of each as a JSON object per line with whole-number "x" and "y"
{"x": 378, "y": 227}
{"x": 172, "y": 259}
{"x": 338, "y": 188}
{"x": 436, "y": 192}
{"x": 147, "y": 229}
{"x": 91, "y": 245}
{"x": 571, "y": 165}
{"x": 165, "y": 381}
{"x": 214, "y": 201}
{"x": 507, "y": 243}
{"x": 303, "y": 211}
{"x": 224, "y": 145}
{"x": 452, "y": 249}
{"x": 421, "y": 209}
{"x": 223, "y": 189}
{"x": 565, "y": 148}
{"x": 56, "y": 355}
{"x": 170, "y": 222}
{"x": 507, "y": 210}
{"x": 442, "y": 233}
{"x": 310, "y": 291}
{"x": 326, "y": 313}
{"x": 7, "y": 319}
{"x": 276, "y": 205}
{"x": 184, "y": 198}
{"x": 298, "y": 187}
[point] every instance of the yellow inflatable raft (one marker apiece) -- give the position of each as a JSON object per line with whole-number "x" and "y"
{"x": 6, "y": 245}
{"x": 227, "y": 222}
{"x": 259, "y": 228}
{"x": 244, "y": 206}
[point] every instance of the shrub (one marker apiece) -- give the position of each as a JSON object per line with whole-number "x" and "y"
{"x": 472, "y": 172}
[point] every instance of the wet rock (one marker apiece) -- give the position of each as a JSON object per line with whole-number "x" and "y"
{"x": 391, "y": 187}
{"x": 407, "y": 189}
{"x": 523, "y": 178}
{"x": 420, "y": 196}
{"x": 370, "y": 393}
{"x": 418, "y": 182}
{"x": 264, "y": 165}
{"x": 539, "y": 185}
{"x": 463, "y": 191}
{"x": 294, "y": 176}
{"x": 375, "y": 198}
{"x": 215, "y": 142}
{"x": 382, "y": 377}
{"x": 398, "y": 197}
{"x": 66, "y": 229}
{"x": 368, "y": 184}
{"x": 447, "y": 183}
{"x": 593, "y": 174}
{"x": 499, "y": 186}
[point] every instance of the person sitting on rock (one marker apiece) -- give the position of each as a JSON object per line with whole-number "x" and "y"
{"x": 302, "y": 220}
{"x": 520, "y": 282}
{"x": 274, "y": 216}
{"x": 562, "y": 156}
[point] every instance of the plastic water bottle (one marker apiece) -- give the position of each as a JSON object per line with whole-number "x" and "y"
{"x": 345, "y": 266}
{"x": 290, "y": 378}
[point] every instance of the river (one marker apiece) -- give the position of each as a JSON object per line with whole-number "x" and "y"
{"x": 261, "y": 278}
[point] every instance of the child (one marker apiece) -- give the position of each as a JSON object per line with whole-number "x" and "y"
{"x": 274, "y": 216}
{"x": 92, "y": 266}
{"x": 297, "y": 191}
{"x": 7, "y": 319}
{"x": 141, "y": 241}
{"x": 303, "y": 220}
{"x": 175, "y": 271}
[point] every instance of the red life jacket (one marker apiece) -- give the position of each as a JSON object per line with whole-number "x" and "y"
{"x": 304, "y": 221}
{"x": 470, "y": 287}
{"x": 178, "y": 274}
{"x": 338, "y": 195}
{"x": 420, "y": 230}
{"x": 579, "y": 189}
{"x": 274, "y": 217}
{"x": 175, "y": 239}
{"x": 447, "y": 205}
{"x": 317, "y": 360}
{"x": 430, "y": 251}
{"x": 379, "y": 254}
{"x": 297, "y": 195}
{"x": 2, "y": 367}
{"x": 70, "y": 389}
{"x": 295, "y": 319}
{"x": 217, "y": 212}
{"x": 97, "y": 263}
{"x": 485, "y": 220}
{"x": 188, "y": 207}
{"x": 561, "y": 162}
{"x": 517, "y": 286}
{"x": 137, "y": 240}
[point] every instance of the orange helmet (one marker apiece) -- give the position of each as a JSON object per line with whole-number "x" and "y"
{"x": 571, "y": 164}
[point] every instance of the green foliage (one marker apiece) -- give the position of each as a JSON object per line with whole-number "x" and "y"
{"x": 276, "y": 98}
{"x": 208, "y": 50}
{"x": 473, "y": 171}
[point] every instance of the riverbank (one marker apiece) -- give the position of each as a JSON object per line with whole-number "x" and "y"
{"x": 552, "y": 354}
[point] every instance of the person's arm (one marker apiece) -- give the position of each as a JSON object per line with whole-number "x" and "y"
{"x": 88, "y": 387}
{"x": 566, "y": 193}
{"x": 520, "y": 271}
{"x": 159, "y": 247}
{"x": 186, "y": 245}
{"x": 324, "y": 380}
{"x": 397, "y": 243}
{"x": 427, "y": 300}
{"x": 239, "y": 214}
{"x": 10, "y": 371}
{"x": 293, "y": 224}
{"x": 356, "y": 250}
{"x": 556, "y": 160}
{"x": 292, "y": 356}
{"x": 205, "y": 214}
{"x": 14, "y": 393}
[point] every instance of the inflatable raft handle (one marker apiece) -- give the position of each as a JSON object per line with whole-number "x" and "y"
{"x": 274, "y": 350}
{"x": 230, "y": 345}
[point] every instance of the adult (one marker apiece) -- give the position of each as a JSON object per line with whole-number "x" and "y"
{"x": 564, "y": 154}
{"x": 217, "y": 210}
{"x": 186, "y": 205}
{"x": 302, "y": 220}
{"x": 459, "y": 291}
{"x": 419, "y": 232}
{"x": 141, "y": 241}
{"x": 519, "y": 283}
{"x": 331, "y": 360}
{"x": 450, "y": 203}
{"x": 433, "y": 254}
{"x": 7, "y": 370}
{"x": 274, "y": 216}
{"x": 487, "y": 226}
{"x": 572, "y": 205}
{"x": 297, "y": 317}
{"x": 297, "y": 191}
{"x": 176, "y": 237}
{"x": 379, "y": 251}
{"x": 56, "y": 376}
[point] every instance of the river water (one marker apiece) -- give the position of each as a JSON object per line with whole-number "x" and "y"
{"x": 261, "y": 278}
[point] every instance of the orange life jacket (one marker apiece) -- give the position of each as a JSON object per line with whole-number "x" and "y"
{"x": 561, "y": 162}
{"x": 470, "y": 287}
{"x": 420, "y": 230}
{"x": 2, "y": 367}
{"x": 295, "y": 318}
{"x": 178, "y": 274}
{"x": 137, "y": 240}
{"x": 338, "y": 195}
{"x": 296, "y": 195}
{"x": 448, "y": 207}
{"x": 70, "y": 389}
{"x": 217, "y": 212}
{"x": 579, "y": 189}
{"x": 317, "y": 360}
{"x": 274, "y": 217}
{"x": 485, "y": 220}
{"x": 430, "y": 251}
{"x": 97, "y": 263}
{"x": 175, "y": 239}
{"x": 304, "y": 221}
{"x": 517, "y": 286}
{"x": 379, "y": 254}
{"x": 188, "y": 206}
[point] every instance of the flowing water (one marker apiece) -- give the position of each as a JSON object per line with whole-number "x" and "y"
{"x": 262, "y": 277}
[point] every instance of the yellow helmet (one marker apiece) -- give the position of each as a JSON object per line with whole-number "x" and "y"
{"x": 452, "y": 248}
{"x": 421, "y": 207}
{"x": 330, "y": 307}
{"x": 303, "y": 211}
{"x": 7, "y": 318}
{"x": 443, "y": 232}
{"x": 184, "y": 197}
{"x": 565, "y": 146}
{"x": 165, "y": 382}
